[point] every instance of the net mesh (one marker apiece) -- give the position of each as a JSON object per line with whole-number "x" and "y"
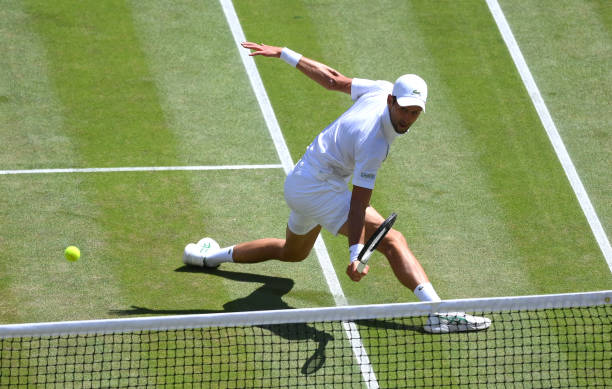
{"x": 526, "y": 347}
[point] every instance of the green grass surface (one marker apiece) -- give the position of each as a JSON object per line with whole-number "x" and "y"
{"x": 481, "y": 196}
{"x": 480, "y": 193}
{"x": 570, "y": 58}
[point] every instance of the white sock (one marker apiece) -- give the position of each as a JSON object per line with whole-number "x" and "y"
{"x": 426, "y": 292}
{"x": 220, "y": 256}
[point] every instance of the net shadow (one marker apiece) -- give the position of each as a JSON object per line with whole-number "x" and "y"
{"x": 391, "y": 324}
{"x": 267, "y": 297}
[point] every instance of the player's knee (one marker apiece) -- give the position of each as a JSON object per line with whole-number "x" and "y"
{"x": 392, "y": 242}
{"x": 297, "y": 257}
{"x": 294, "y": 255}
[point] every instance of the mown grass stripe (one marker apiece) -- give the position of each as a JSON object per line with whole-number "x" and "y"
{"x": 102, "y": 79}
{"x": 203, "y": 91}
{"x": 31, "y": 117}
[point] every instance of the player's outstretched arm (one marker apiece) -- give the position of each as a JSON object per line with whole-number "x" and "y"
{"x": 324, "y": 75}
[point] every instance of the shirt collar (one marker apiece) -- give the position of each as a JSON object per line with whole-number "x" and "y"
{"x": 387, "y": 127}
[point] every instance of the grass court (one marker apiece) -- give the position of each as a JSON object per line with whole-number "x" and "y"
{"x": 481, "y": 195}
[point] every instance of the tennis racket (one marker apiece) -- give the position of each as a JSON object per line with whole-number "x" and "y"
{"x": 373, "y": 242}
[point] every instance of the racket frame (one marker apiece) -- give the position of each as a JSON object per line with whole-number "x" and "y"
{"x": 375, "y": 239}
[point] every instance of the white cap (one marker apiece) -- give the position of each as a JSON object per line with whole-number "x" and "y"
{"x": 410, "y": 89}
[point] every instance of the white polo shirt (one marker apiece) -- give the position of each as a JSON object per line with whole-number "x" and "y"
{"x": 358, "y": 141}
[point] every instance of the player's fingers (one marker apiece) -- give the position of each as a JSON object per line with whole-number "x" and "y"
{"x": 354, "y": 274}
{"x": 258, "y": 52}
{"x": 359, "y": 275}
{"x": 252, "y": 46}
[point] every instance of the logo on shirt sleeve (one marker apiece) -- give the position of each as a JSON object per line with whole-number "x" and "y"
{"x": 368, "y": 176}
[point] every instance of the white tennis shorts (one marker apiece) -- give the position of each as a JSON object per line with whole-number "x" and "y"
{"x": 316, "y": 199}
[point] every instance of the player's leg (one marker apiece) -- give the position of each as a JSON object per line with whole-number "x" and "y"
{"x": 410, "y": 273}
{"x": 394, "y": 247}
{"x": 300, "y": 237}
{"x": 293, "y": 248}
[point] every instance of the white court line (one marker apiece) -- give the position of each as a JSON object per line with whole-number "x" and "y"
{"x": 551, "y": 130}
{"x": 283, "y": 152}
{"x": 138, "y": 169}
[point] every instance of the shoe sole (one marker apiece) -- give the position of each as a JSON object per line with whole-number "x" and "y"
{"x": 206, "y": 265}
{"x": 448, "y": 328}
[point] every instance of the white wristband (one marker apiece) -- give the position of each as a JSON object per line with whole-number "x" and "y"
{"x": 355, "y": 250}
{"x": 290, "y": 56}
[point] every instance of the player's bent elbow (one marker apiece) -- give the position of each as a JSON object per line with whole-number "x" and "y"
{"x": 329, "y": 82}
{"x": 340, "y": 84}
{"x": 335, "y": 81}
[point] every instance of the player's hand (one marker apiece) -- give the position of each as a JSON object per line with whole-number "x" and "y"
{"x": 261, "y": 49}
{"x": 353, "y": 273}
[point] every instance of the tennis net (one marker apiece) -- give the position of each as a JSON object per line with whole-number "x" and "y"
{"x": 549, "y": 341}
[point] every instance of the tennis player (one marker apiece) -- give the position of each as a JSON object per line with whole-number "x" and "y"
{"x": 317, "y": 192}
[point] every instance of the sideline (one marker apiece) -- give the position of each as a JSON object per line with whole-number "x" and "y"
{"x": 551, "y": 130}
{"x": 283, "y": 152}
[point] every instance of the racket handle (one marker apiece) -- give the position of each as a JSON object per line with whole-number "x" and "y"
{"x": 360, "y": 267}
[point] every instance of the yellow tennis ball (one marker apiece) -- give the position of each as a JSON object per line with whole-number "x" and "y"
{"x": 72, "y": 253}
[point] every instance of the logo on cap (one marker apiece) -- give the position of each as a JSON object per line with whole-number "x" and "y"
{"x": 410, "y": 89}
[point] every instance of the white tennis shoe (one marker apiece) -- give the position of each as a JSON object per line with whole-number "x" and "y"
{"x": 195, "y": 253}
{"x": 443, "y": 323}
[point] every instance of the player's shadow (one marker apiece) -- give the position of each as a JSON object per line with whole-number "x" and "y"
{"x": 267, "y": 297}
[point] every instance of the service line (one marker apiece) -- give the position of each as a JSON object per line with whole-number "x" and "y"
{"x": 138, "y": 169}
